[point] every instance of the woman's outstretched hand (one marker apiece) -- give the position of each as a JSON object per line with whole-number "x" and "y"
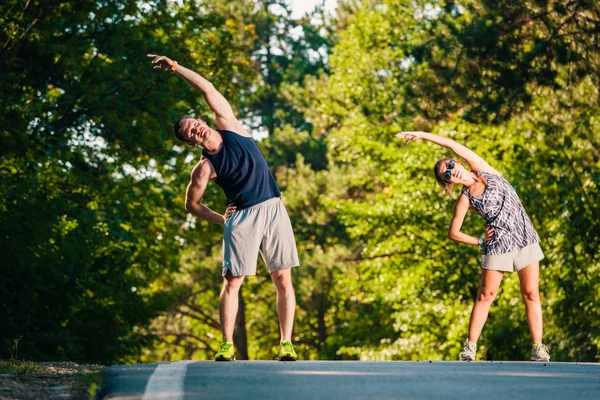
{"x": 164, "y": 62}
{"x": 410, "y": 136}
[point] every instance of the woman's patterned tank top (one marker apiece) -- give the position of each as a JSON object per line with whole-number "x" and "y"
{"x": 500, "y": 207}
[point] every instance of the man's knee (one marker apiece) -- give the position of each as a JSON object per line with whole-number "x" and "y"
{"x": 232, "y": 283}
{"x": 283, "y": 279}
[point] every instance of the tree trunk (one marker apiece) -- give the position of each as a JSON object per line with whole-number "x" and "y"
{"x": 240, "y": 340}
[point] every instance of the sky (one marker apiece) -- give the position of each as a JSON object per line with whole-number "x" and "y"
{"x": 300, "y": 7}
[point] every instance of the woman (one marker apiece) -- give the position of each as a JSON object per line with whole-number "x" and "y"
{"x": 510, "y": 242}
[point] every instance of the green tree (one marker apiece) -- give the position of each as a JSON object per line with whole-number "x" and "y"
{"x": 91, "y": 179}
{"x": 411, "y": 287}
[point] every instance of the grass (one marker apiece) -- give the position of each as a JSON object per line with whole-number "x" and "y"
{"x": 88, "y": 381}
{"x": 19, "y": 367}
{"x": 92, "y": 381}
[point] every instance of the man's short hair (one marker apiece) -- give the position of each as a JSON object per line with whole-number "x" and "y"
{"x": 177, "y": 127}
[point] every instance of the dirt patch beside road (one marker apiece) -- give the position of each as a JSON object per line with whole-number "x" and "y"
{"x": 48, "y": 380}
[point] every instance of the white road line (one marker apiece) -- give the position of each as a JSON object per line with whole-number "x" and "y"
{"x": 167, "y": 381}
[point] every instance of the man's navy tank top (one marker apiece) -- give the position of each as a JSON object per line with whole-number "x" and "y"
{"x": 242, "y": 171}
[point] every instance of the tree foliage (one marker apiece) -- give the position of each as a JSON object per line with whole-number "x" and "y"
{"x": 103, "y": 264}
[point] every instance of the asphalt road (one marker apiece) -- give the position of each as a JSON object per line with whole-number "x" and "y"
{"x": 332, "y": 380}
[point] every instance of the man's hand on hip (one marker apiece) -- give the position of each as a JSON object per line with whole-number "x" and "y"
{"x": 229, "y": 212}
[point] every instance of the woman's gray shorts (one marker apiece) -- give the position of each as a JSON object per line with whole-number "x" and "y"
{"x": 265, "y": 227}
{"x": 514, "y": 260}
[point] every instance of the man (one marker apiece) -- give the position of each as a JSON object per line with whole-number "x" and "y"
{"x": 256, "y": 218}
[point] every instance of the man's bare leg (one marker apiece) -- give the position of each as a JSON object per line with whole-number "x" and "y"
{"x": 228, "y": 304}
{"x": 286, "y": 302}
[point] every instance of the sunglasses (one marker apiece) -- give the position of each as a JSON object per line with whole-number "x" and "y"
{"x": 448, "y": 174}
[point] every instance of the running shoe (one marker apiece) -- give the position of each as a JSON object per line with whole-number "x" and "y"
{"x": 539, "y": 352}
{"x": 469, "y": 352}
{"x": 226, "y": 352}
{"x": 287, "y": 352}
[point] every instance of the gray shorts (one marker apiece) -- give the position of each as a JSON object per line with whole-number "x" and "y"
{"x": 265, "y": 227}
{"x": 514, "y": 260}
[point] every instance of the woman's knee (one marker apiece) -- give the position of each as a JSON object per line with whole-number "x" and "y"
{"x": 486, "y": 295}
{"x": 531, "y": 294}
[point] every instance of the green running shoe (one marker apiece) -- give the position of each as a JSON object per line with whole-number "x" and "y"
{"x": 226, "y": 352}
{"x": 287, "y": 352}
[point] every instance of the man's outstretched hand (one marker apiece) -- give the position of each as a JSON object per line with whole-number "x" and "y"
{"x": 164, "y": 62}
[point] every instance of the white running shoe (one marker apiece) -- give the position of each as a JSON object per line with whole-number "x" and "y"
{"x": 469, "y": 352}
{"x": 539, "y": 352}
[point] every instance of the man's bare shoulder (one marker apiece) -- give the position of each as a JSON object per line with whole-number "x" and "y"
{"x": 232, "y": 125}
{"x": 203, "y": 170}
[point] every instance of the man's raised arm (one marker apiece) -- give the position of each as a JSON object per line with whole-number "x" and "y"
{"x": 223, "y": 111}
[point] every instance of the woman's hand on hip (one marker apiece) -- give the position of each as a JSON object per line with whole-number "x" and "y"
{"x": 489, "y": 234}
